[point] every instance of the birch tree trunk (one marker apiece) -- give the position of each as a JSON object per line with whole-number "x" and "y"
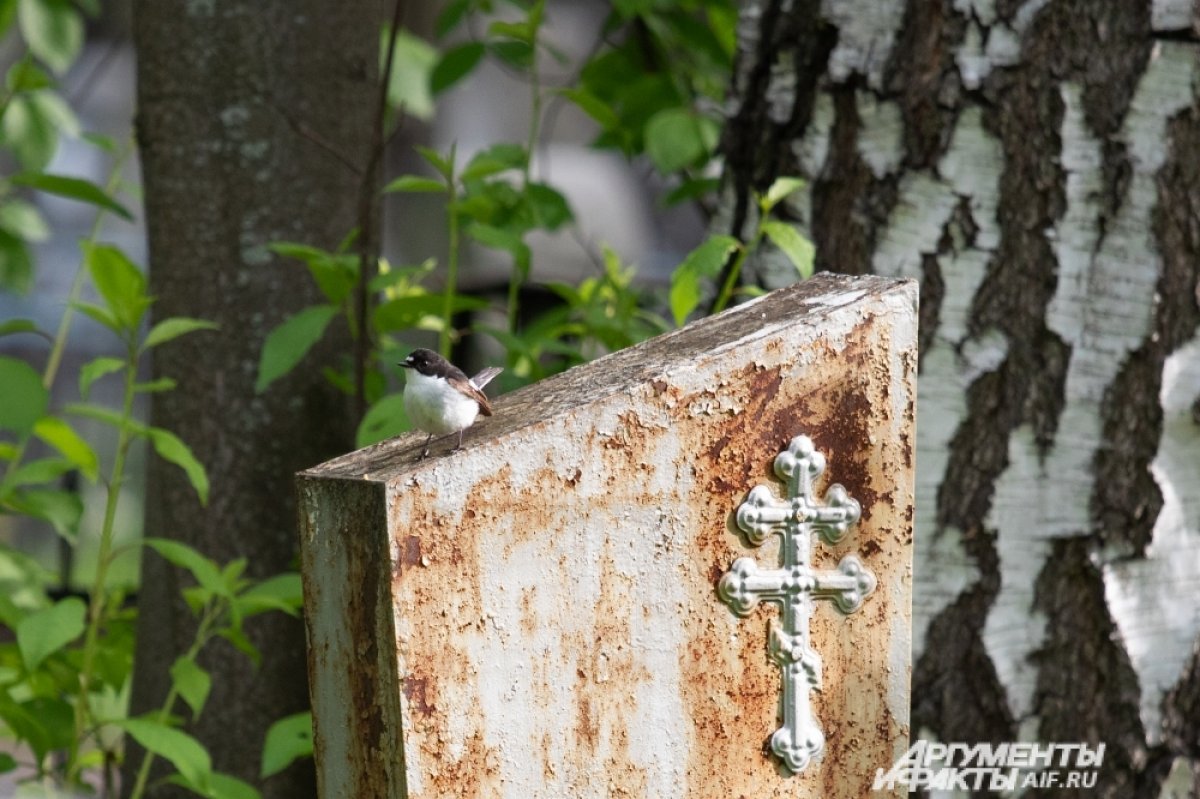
{"x": 239, "y": 105}
{"x": 1036, "y": 165}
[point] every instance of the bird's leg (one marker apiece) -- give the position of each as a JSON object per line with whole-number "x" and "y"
{"x": 425, "y": 454}
{"x": 456, "y": 449}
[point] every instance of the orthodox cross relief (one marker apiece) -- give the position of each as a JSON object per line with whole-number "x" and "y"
{"x": 795, "y": 585}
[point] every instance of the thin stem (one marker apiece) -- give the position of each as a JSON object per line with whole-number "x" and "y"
{"x": 535, "y": 125}
{"x": 99, "y": 595}
{"x": 64, "y": 325}
{"x": 732, "y": 275}
{"x": 451, "y": 288}
{"x": 58, "y": 346}
{"x": 211, "y": 614}
{"x": 368, "y": 205}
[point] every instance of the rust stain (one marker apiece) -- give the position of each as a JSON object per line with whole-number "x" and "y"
{"x": 410, "y": 553}
{"x": 415, "y": 689}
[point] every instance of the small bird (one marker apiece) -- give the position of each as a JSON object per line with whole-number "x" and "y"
{"x": 440, "y": 399}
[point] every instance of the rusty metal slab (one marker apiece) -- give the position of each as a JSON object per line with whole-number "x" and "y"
{"x": 538, "y": 615}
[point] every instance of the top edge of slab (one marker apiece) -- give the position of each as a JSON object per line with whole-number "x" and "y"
{"x": 804, "y": 302}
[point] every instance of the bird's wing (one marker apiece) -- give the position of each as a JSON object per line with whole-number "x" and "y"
{"x": 485, "y": 376}
{"x": 468, "y": 387}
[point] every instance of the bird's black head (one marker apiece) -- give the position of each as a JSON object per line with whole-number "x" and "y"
{"x": 427, "y": 362}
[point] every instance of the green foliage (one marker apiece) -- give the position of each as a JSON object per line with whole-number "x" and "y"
{"x": 288, "y": 739}
{"x": 66, "y": 665}
{"x": 654, "y": 84}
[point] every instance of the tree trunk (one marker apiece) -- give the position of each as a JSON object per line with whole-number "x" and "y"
{"x": 1036, "y": 165}
{"x": 239, "y": 104}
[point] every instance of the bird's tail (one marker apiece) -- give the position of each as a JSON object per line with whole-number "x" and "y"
{"x": 485, "y": 376}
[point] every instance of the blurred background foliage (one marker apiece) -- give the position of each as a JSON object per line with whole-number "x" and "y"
{"x": 549, "y": 173}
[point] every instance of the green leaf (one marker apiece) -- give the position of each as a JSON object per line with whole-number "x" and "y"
{"x": 106, "y": 143}
{"x": 60, "y": 435}
{"x": 98, "y": 313}
{"x": 171, "y": 448}
{"x": 523, "y": 31}
{"x": 412, "y": 64}
{"x": 53, "y": 29}
{"x": 24, "y": 399}
{"x": 691, "y": 189}
{"x": 45, "y": 724}
{"x": 385, "y": 419}
{"x": 287, "y": 344}
{"x": 454, "y": 65}
{"x": 184, "y": 752}
{"x": 45, "y": 631}
{"x": 497, "y": 238}
{"x": 703, "y": 262}
{"x": 241, "y": 643}
{"x": 283, "y": 592}
{"x": 7, "y": 762}
{"x": 25, "y": 131}
{"x": 406, "y": 312}
{"x": 287, "y": 740}
{"x": 550, "y": 208}
{"x": 515, "y": 53}
{"x": 780, "y": 189}
{"x": 677, "y": 138}
{"x": 451, "y": 15}
{"x": 40, "y": 471}
{"x": 95, "y": 369}
{"x": 59, "y": 508}
{"x": 16, "y": 267}
{"x": 120, "y": 283}
{"x": 152, "y": 386}
{"x": 335, "y": 273}
{"x": 26, "y": 76}
{"x": 13, "y": 326}
{"x": 73, "y": 189}
{"x": 105, "y": 415}
{"x": 443, "y": 164}
{"x": 192, "y": 682}
{"x": 24, "y": 221}
{"x": 414, "y": 184}
{"x": 206, "y": 572}
{"x": 175, "y": 327}
{"x": 798, "y": 249}
{"x": 593, "y": 106}
{"x": 495, "y": 159}
{"x": 221, "y": 786}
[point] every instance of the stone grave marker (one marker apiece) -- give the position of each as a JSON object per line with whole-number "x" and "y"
{"x": 682, "y": 570}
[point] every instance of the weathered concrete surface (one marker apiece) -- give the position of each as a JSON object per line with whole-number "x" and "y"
{"x": 537, "y": 615}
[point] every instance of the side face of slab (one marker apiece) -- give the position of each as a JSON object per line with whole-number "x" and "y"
{"x": 546, "y": 601}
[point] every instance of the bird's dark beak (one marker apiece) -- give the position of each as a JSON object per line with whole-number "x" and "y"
{"x": 404, "y": 365}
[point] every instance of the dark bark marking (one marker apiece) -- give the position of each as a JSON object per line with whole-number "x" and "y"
{"x": 958, "y": 709}
{"x": 925, "y": 77}
{"x": 756, "y": 148}
{"x": 1127, "y": 500}
{"x": 1086, "y": 690}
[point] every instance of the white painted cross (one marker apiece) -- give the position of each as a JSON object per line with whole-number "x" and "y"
{"x": 796, "y": 584}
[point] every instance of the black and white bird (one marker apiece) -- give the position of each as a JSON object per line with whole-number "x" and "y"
{"x": 440, "y": 399}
